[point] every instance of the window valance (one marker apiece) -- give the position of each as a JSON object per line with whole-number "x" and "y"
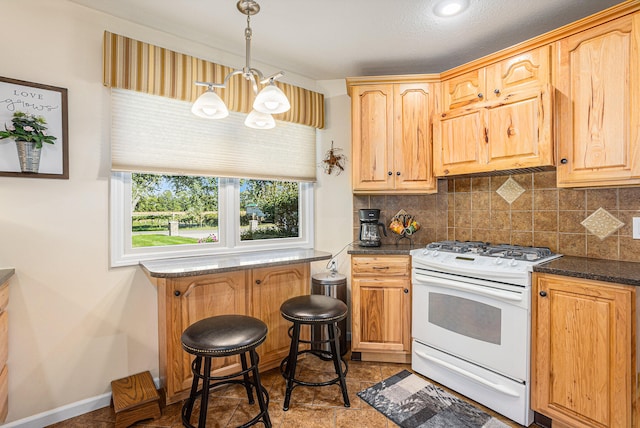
{"x": 134, "y": 65}
{"x": 159, "y": 135}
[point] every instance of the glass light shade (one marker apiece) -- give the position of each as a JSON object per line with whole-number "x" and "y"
{"x": 271, "y": 100}
{"x": 210, "y": 106}
{"x": 259, "y": 120}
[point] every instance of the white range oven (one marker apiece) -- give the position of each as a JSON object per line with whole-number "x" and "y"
{"x": 472, "y": 321}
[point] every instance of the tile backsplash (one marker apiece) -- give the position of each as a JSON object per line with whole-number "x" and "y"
{"x": 522, "y": 209}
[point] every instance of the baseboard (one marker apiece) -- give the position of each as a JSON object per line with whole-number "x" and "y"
{"x": 65, "y": 412}
{"x": 62, "y": 413}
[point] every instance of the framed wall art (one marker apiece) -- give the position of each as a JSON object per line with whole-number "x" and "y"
{"x": 33, "y": 130}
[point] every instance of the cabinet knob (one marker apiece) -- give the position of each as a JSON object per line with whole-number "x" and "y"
{"x": 543, "y": 294}
{"x": 389, "y": 173}
{"x": 496, "y": 91}
{"x": 480, "y": 95}
{"x": 176, "y": 293}
{"x": 406, "y": 291}
{"x": 563, "y": 161}
{"x": 398, "y": 173}
{"x": 258, "y": 282}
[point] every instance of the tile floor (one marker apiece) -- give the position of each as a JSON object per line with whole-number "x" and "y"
{"x": 310, "y": 407}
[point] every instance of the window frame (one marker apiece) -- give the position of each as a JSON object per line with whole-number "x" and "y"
{"x": 123, "y": 254}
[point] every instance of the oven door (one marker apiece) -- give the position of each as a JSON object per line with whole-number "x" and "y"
{"x": 475, "y": 320}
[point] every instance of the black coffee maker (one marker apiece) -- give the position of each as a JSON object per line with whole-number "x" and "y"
{"x": 370, "y": 228}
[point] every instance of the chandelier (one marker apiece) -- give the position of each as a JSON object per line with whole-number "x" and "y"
{"x": 270, "y": 100}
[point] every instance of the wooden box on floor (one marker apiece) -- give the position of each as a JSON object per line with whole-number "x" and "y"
{"x": 135, "y": 398}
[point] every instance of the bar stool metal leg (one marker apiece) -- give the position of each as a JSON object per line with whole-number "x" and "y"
{"x": 334, "y": 342}
{"x": 247, "y": 384}
{"x": 258, "y": 383}
{"x": 292, "y": 360}
{"x": 204, "y": 401}
{"x": 195, "y": 368}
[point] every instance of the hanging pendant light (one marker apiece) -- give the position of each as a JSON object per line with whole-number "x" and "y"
{"x": 258, "y": 120}
{"x": 210, "y": 106}
{"x": 270, "y": 100}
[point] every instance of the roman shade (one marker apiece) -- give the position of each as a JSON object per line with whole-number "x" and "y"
{"x": 139, "y": 66}
{"x": 156, "y": 134}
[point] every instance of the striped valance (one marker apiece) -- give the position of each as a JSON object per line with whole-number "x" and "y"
{"x": 138, "y": 66}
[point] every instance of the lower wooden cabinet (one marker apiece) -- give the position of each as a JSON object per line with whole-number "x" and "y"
{"x": 381, "y": 308}
{"x": 584, "y": 355}
{"x": 271, "y": 286}
{"x": 257, "y": 292}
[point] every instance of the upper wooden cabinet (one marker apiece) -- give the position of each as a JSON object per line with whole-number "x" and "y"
{"x": 497, "y": 117}
{"x": 489, "y": 83}
{"x": 598, "y": 108}
{"x": 391, "y": 137}
{"x": 584, "y": 356}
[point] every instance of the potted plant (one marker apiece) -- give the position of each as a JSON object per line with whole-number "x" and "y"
{"x": 29, "y": 132}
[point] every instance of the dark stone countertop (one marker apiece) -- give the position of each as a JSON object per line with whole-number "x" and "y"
{"x": 5, "y": 274}
{"x": 384, "y": 250}
{"x": 203, "y": 265}
{"x": 627, "y": 273}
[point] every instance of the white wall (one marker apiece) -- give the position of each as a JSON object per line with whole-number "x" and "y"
{"x": 74, "y": 323}
{"x": 334, "y": 201}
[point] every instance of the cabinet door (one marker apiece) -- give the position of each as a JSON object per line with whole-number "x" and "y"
{"x": 464, "y": 90}
{"x": 460, "y": 142}
{"x": 381, "y": 319}
{"x": 412, "y": 152}
{"x": 372, "y": 137}
{"x": 519, "y": 130}
{"x": 582, "y": 363}
{"x": 528, "y": 69}
{"x": 188, "y": 300}
{"x": 598, "y": 105}
{"x": 271, "y": 286}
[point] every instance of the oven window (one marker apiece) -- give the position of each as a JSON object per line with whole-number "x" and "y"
{"x": 467, "y": 317}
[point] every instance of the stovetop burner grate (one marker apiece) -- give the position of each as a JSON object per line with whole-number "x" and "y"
{"x": 516, "y": 252}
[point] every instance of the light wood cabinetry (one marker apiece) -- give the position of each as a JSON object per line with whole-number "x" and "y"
{"x": 271, "y": 286}
{"x": 599, "y": 105}
{"x": 584, "y": 356}
{"x": 391, "y": 137}
{"x": 4, "y": 351}
{"x": 497, "y": 117}
{"x": 258, "y": 292}
{"x": 381, "y": 307}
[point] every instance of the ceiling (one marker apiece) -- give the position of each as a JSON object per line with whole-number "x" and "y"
{"x": 334, "y": 39}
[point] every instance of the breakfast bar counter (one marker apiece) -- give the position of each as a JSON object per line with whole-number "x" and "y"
{"x": 5, "y": 274}
{"x": 252, "y": 283}
{"x": 203, "y": 265}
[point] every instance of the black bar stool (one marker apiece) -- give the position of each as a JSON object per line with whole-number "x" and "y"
{"x": 223, "y": 336}
{"x": 314, "y": 310}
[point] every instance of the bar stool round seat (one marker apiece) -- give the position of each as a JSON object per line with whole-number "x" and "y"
{"x": 224, "y": 336}
{"x": 314, "y": 310}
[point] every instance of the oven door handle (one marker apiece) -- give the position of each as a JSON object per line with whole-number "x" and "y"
{"x": 500, "y": 388}
{"x": 486, "y": 291}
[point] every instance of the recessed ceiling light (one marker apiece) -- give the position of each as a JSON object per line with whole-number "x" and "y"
{"x": 447, "y": 8}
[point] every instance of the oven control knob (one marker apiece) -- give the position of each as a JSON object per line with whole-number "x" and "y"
{"x": 513, "y": 262}
{"x": 498, "y": 261}
{"x": 435, "y": 253}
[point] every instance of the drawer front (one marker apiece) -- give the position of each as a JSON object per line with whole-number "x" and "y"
{"x": 381, "y": 265}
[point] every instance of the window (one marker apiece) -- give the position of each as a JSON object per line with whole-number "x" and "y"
{"x": 161, "y": 216}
